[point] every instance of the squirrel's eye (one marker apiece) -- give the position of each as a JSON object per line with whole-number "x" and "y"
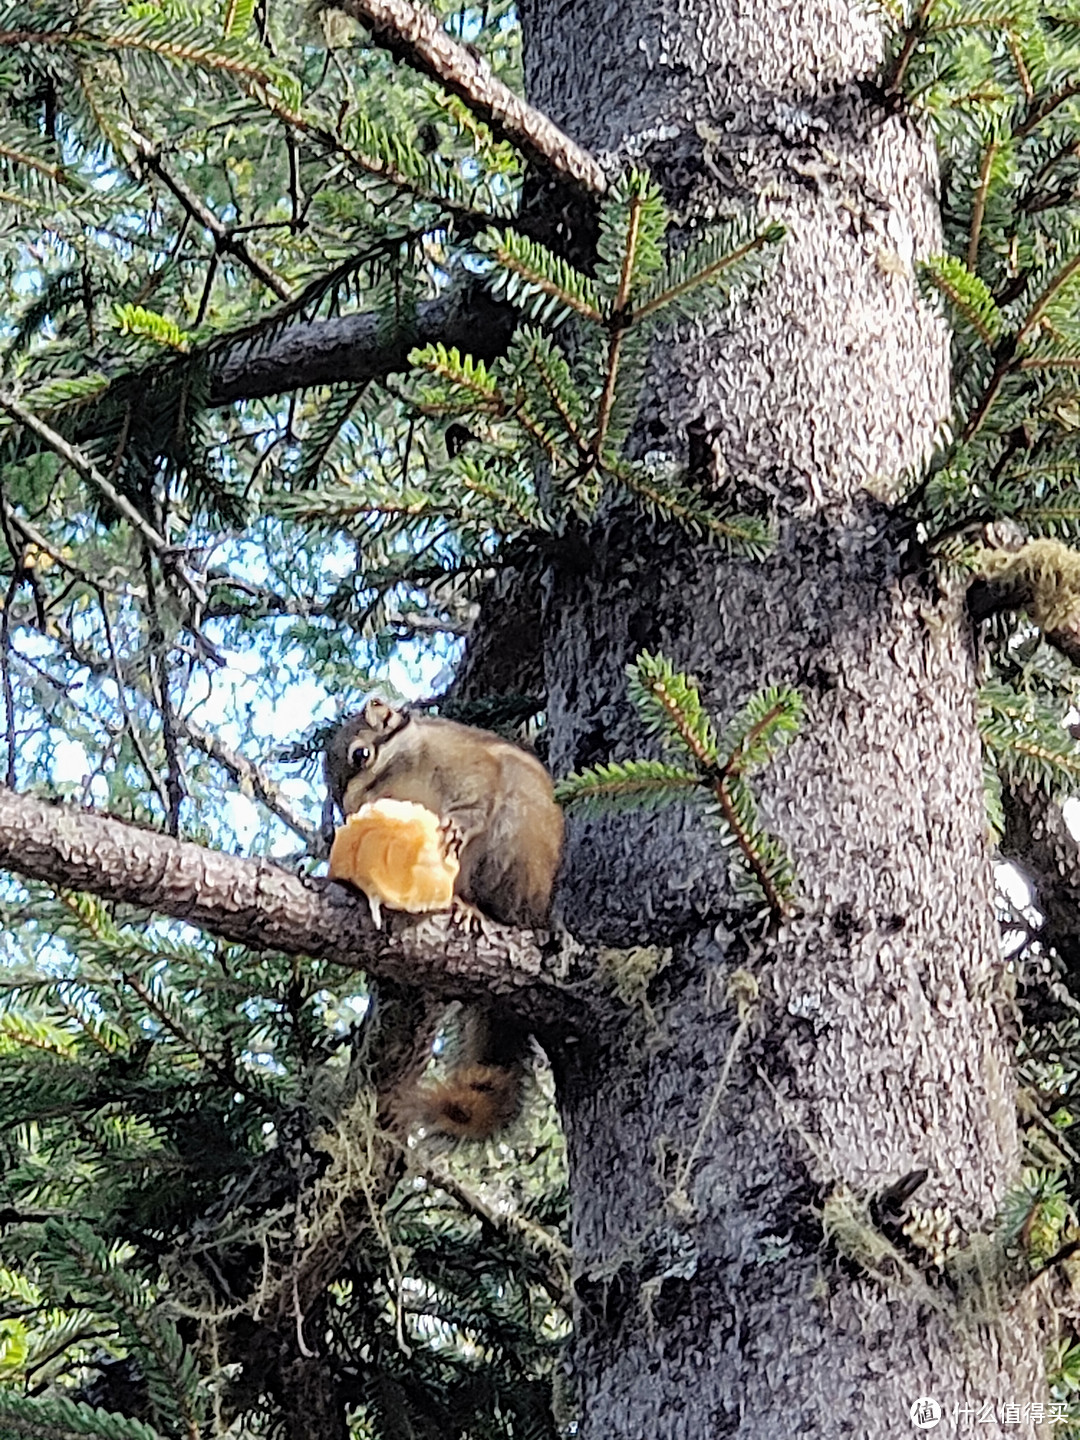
{"x": 359, "y": 755}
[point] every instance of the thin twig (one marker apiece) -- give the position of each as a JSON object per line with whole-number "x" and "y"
{"x": 915, "y": 33}
{"x": 33, "y": 535}
{"x": 251, "y": 776}
{"x": 764, "y": 879}
{"x": 1035, "y": 117}
{"x": 1008, "y": 350}
{"x": 18, "y": 572}
{"x": 5, "y": 672}
{"x": 979, "y": 208}
{"x": 174, "y": 782}
{"x": 89, "y": 471}
{"x": 733, "y": 764}
{"x": 100, "y": 767}
{"x": 225, "y": 239}
{"x": 155, "y": 277}
{"x": 84, "y": 467}
{"x": 129, "y": 723}
{"x": 224, "y": 1072}
{"x": 243, "y": 770}
{"x": 532, "y": 1236}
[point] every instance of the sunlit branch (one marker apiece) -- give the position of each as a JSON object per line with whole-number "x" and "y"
{"x": 415, "y": 34}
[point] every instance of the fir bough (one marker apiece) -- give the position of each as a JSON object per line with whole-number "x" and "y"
{"x": 998, "y": 84}
{"x": 60, "y": 1419}
{"x": 710, "y": 771}
{"x": 1027, "y": 741}
{"x": 566, "y": 412}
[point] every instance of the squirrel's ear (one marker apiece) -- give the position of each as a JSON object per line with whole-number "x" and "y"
{"x": 379, "y": 716}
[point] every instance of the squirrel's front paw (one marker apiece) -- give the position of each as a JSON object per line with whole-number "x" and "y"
{"x": 474, "y": 921}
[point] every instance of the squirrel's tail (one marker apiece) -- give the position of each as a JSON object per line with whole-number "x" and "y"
{"x": 474, "y": 1102}
{"x": 481, "y": 1094}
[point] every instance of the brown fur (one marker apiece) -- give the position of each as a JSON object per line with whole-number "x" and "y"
{"x": 496, "y": 799}
{"x": 474, "y": 1102}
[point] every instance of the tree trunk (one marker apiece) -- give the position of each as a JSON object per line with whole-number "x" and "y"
{"x": 704, "y": 1158}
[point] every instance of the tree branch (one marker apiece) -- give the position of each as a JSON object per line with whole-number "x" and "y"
{"x": 251, "y": 777}
{"x": 995, "y": 597}
{"x": 355, "y": 347}
{"x": 454, "y": 617}
{"x": 258, "y": 904}
{"x": 33, "y": 536}
{"x": 415, "y": 34}
{"x": 85, "y": 467}
{"x": 281, "y": 355}
{"x": 528, "y": 1235}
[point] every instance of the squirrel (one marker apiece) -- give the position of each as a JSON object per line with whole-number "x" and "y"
{"x": 498, "y": 805}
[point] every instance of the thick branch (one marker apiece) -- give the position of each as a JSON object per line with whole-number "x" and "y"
{"x": 258, "y": 904}
{"x": 355, "y": 347}
{"x": 415, "y": 34}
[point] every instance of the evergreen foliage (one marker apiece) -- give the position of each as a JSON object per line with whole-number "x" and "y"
{"x": 999, "y": 86}
{"x": 570, "y": 422}
{"x": 1027, "y": 739}
{"x": 713, "y": 771}
{"x": 187, "y": 1134}
{"x": 190, "y": 1155}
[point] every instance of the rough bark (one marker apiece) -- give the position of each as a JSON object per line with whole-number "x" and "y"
{"x": 881, "y": 1040}
{"x": 879, "y": 1044}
